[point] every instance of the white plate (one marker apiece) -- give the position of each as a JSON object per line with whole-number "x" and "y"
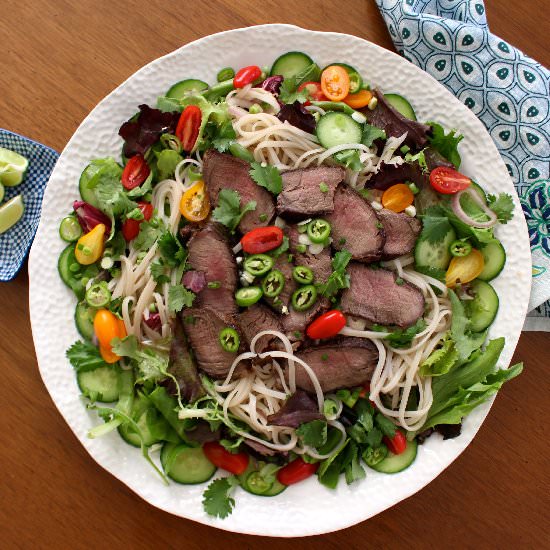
{"x": 307, "y": 508}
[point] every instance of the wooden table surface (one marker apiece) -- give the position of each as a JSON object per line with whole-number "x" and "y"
{"x": 59, "y": 58}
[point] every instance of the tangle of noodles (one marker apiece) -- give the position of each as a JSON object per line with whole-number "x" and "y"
{"x": 262, "y": 391}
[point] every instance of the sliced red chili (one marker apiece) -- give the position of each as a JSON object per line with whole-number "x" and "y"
{"x": 296, "y": 471}
{"x": 235, "y": 463}
{"x": 327, "y": 325}
{"x": 135, "y": 172}
{"x": 246, "y": 75}
{"x": 188, "y": 127}
{"x": 262, "y": 239}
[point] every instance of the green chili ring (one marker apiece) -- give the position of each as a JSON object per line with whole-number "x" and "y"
{"x": 302, "y": 275}
{"x": 248, "y": 296}
{"x": 304, "y": 298}
{"x": 460, "y": 248}
{"x": 318, "y": 231}
{"x": 258, "y": 264}
{"x": 273, "y": 283}
{"x": 229, "y": 339}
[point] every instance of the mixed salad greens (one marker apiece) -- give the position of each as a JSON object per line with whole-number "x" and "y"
{"x": 149, "y": 405}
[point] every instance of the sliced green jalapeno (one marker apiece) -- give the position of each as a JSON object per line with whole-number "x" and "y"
{"x": 229, "y": 339}
{"x": 248, "y": 296}
{"x": 318, "y": 230}
{"x": 273, "y": 283}
{"x": 304, "y": 297}
{"x": 302, "y": 275}
{"x": 258, "y": 264}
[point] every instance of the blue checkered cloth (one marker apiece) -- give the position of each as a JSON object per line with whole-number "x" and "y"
{"x": 508, "y": 92}
{"x": 16, "y": 241}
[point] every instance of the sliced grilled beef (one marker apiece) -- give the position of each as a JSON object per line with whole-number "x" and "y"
{"x": 255, "y": 319}
{"x": 355, "y": 226}
{"x": 182, "y": 366}
{"x": 223, "y": 171}
{"x": 385, "y": 116}
{"x": 342, "y": 363}
{"x": 401, "y": 233}
{"x": 302, "y": 196}
{"x": 297, "y": 409}
{"x": 375, "y": 296}
{"x": 202, "y": 327}
{"x": 210, "y": 253}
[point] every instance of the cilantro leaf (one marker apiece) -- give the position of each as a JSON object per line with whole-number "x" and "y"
{"x": 216, "y": 499}
{"x": 225, "y": 136}
{"x": 167, "y": 160}
{"x": 502, "y": 205}
{"x": 158, "y": 272}
{"x": 446, "y": 144}
{"x": 288, "y": 91}
{"x": 148, "y": 234}
{"x": 338, "y": 279}
{"x": 435, "y": 225}
{"x": 431, "y": 271}
{"x": 267, "y": 176}
{"x": 314, "y": 433}
{"x": 403, "y": 337}
{"x": 374, "y": 437}
{"x": 228, "y": 212}
{"x": 179, "y": 297}
{"x": 371, "y": 134}
{"x": 385, "y": 425}
{"x": 465, "y": 341}
{"x": 108, "y": 190}
{"x": 354, "y": 471}
{"x": 151, "y": 364}
{"x": 171, "y": 250}
{"x": 84, "y": 356}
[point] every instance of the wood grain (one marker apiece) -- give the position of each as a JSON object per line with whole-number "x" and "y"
{"x": 59, "y": 58}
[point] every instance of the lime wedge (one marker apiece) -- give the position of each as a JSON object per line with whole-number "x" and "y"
{"x": 10, "y": 213}
{"x": 1, "y": 192}
{"x": 12, "y": 167}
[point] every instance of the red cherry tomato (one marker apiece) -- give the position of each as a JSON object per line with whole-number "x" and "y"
{"x": 296, "y": 471}
{"x": 135, "y": 172}
{"x": 314, "y": 90}
{"x": 188, "y": 127}
{"x": 327, "y": 325}
{"x": 448, "y": 181}
{"x": 246, "y": 75}
{"x": 262, "y": 239}
{"x": 396, "y": 444}
{"x": 130, "y": 228}
{"x": 234, "y": 463}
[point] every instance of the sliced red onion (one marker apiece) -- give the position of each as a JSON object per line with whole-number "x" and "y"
{"x": 463, "y": 217}
{"x": 153, "y": 322}
{"x": 194, "y": 280}
{"x": 89, "y": 216}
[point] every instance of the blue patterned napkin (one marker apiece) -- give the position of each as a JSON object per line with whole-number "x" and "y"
{"x": 508, "y": 91}
{"x": 16, "y": 241}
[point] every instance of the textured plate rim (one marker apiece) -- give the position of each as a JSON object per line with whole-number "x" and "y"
{"x": 342, "y": 521}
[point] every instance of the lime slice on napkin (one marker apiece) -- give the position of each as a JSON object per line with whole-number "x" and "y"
{"x": 12, "y": 167}
{"x": 10, "y": 213}
{"x": 2, "y": 192}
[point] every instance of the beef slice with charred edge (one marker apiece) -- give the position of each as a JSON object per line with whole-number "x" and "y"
{"x": 341, "y": 363}
{"x": 355, "y": 226}
{"x": 255, "y": 319}
{"x": 389, "y": 174}
{"x": 182, "y": 366}
{"x": 202, "y": 327}
{"x": 221, "y": 171}
{"x": 297, "y": 409}
{"x": 209, "y": 252}
{"x": 388, "y": 118}
{"x": 401, "y": 231}
{"x": 375, "y": 296}
{"x": 302, "y": 197}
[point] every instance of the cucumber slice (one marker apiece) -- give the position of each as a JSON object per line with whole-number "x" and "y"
{"x": 72, "y": 273}
{"x": 494, "y": 256}
{"x": 393, "y": 464}
{"x": 186, "y": 87}
{"x": 187, "y": 465}
{"x": 355, "y": 80}
{"x": 337, "y": 128}
{"x": 251, "y": 484}
{"x": 290, "y": 64}
{"x": 11, "y": 213}
{"x": 476, "y": 187}
{"x": 69, "y": 229}
{"x": 87, "y": 194}
{"x": 100, "y": 384}
{"x": 84, "y": 320}
{"x": 402, "y": 105}
{"x": 436, "y": 255}
{"x": 483, "y": 309}
{"x": 152, "y": 425}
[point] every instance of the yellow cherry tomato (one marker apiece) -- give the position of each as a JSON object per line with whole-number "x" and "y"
{"x": 464, "y": 269}
{"x": 106, "y": 327}
{"x": 195, "y": 203}
{"x": 335, "y": 83}
{"x": 397, "y": 197}
{"x": 89, "y": 248}
{"x": 359, "y": 100}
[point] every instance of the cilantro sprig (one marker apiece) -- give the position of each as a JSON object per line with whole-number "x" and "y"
{"x": 338, "y": 279}
{"x": 267, "y": 176}
{"x": 229, "y": 212}
{"x": 217, "y": 500}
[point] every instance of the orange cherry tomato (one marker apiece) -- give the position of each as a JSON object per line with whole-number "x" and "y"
{"x": 195, "y": 203}
{"x": 359, "y": 100}
{"x": 335, "y": 83}
{"x": 397, "y": 197}
{"x": 106, "y": 327}
{"x": 464, "y": 269}
{"x": 188, "y": 127}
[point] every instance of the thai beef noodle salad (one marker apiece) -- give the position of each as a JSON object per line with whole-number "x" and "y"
{"x": 284, "y": 274}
